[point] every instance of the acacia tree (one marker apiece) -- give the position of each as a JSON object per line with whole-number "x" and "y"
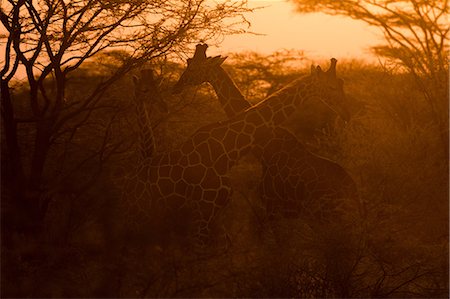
{"x": 416, "y": 36}
{"x": 50, "y": 39}
{"x": 261, "y": 74}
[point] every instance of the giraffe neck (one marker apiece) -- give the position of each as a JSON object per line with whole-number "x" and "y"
{"x": 230, "y": 97}
{"x": 236, "y": 136}
{"x": 233, "y": 102}
{"x": 274, "y": 110}
{"x": 146, "y": 136}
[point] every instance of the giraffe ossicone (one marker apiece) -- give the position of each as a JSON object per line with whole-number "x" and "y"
{"x": 203, "y": 69}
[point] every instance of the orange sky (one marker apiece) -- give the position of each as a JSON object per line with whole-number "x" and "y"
{"x": 319, "y": 35}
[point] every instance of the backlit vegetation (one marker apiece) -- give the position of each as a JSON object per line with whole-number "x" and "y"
{"x": 391, "y": 147}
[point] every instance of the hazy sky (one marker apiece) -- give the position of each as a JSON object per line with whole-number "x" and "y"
{"x": 319, "y": 35}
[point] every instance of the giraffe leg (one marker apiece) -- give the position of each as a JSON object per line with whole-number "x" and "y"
{"x": 209, "y": 208}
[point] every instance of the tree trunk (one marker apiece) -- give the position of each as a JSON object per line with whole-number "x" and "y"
{"x": 37, "y": 204}
{"x": 41, "y": 147}
{"x": 14, "y": 167}
{"x": 15, "y": 206}
{"x": 24, "y": 207}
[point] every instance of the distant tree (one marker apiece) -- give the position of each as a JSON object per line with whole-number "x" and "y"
{"x": 261, "y": 74}
{"x": 50, "y": 39}
{"x": 416, "y": 35}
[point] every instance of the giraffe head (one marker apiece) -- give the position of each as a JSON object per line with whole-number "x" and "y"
{"x": 330, "y": 89}
{"x": 198, "y": 69}
{"x": 147, "y": 88}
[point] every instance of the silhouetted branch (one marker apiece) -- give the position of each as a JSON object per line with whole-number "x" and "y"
{"x": 52, "y": 39}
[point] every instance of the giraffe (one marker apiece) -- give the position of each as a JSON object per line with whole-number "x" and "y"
{"x": 183, "y": 191}
{"x": 146, "y": 88}
{"x": 208, "y": 69}
{"x": 153, "y": 203}
{"x": 294, "y": 182}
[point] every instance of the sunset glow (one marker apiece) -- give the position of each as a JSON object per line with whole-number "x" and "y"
{"x": 279, "y": 27}
{"x": 224, "y": 148}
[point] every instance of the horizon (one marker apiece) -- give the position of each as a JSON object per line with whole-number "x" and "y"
{"x": 337, "y": 35}
{"x": 340, "y": 37}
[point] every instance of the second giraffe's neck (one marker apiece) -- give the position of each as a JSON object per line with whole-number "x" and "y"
{"x": 146, "y": 137}
{"x": 230, "y": 97}
{"x": 274, "y": 110}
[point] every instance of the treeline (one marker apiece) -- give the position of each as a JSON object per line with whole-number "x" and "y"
{"x": 392, "y": 147}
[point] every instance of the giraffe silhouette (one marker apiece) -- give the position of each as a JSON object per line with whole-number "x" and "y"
{"x": 203, "y": 69}
{"x": 294, "y": 182}
{"x": 147, "y": 93}
{"x": 169, "y": 193}
{"x": 183, "y": 191}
